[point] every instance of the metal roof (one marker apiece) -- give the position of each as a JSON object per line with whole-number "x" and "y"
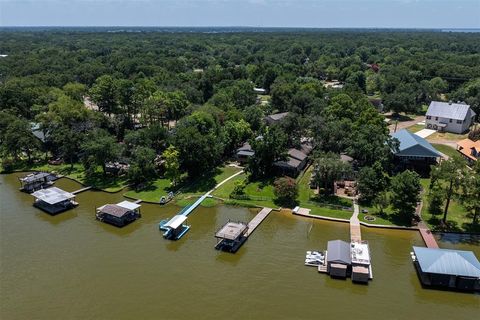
{"x": 413, "y": 145}
{"x": 277, "y": 116}
{"x": 297, "y": 154}
{"x": 338, "y": 251}
{"x": 176, "y": 221}
{"x": 52, "y": 195}
{"x": 447, "y": 110}
{"x": 446, "y": 261}
{"x": 33, "y": 177}
{"x": 128, "y": 205}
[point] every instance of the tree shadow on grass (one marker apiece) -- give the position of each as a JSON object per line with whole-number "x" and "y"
{"x": 200, "y": 184}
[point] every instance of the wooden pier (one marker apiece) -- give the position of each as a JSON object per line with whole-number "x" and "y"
{"x": 81, "y": 190}
{"x": 427, "y": 236}
{"x": 255, "y": 222}
{"x": 355, "y": 232}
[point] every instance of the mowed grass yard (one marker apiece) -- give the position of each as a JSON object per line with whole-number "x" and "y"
{"x": 447, "y": 150}
{"x": 108, "y": 183}
{"x": 189, "y": 190}
{"x": 261, "y": 193}
{"x": 458, "y": 219}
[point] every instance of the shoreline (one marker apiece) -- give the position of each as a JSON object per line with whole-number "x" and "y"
{"x": 244, "y": 205}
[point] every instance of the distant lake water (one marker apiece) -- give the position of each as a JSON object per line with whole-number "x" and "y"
{"x": 71, "y": 266}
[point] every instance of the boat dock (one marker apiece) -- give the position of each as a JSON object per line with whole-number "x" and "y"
{"x": 355, "y": 232}
{"x": 255, "y": 222}
{"x": 427, "y": 236}
{"x": 81, "y": 190}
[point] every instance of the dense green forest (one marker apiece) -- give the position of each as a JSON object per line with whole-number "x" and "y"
{"x": 194, "y": 93}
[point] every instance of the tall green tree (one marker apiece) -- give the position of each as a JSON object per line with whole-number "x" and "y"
{"x": 172, "y": 164}
{"x": 102, "y": 147}
{"x": 405, "y": 188}
{"x": 104, "y": 94}
{"x": 371, "y": 181}
{"x": 470, "y": 191}
{"x": 142, "y": 168}
{"x": 328, "y": 169}
{"x": 447, "y": 176}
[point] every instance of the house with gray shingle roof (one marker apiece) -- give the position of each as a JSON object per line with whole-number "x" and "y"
{"x": 449, "y": 117}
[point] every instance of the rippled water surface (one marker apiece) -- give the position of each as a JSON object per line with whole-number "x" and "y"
{"x": 71, "y": 266}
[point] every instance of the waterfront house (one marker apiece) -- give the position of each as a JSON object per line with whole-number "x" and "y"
{"x": 119, "y": 214}
{"x": 414, "y": 152}
{"x": 445, "y": 268}
{"x": 54, "y": 200}
{"x": 36, "y": 180}
{"x": 470, "y": 150}
{"x": 449, "y": 117}
{"x": 339, "y": 258}
{"x": 231, "y": 236}
{"x": 275, "y": 118}
{"x": 244, "y": 153}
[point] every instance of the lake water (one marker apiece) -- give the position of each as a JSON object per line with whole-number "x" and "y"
{"x": 71, "y": 266}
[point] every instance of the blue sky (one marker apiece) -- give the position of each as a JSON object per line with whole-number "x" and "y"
{"x": 256, "y": 13}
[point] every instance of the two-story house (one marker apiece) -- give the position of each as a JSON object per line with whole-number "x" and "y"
{"x": 449, "y": 117}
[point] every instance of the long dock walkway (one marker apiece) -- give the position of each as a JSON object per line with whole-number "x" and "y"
{"x": 425, "y": 232}
{"x": 81, "y": 190}
{"x": 255, "y": 222}
{"x": 187, "y": 210}
{"x": 355, "y": 232}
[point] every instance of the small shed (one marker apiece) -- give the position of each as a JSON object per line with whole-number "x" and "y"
{"x": 231, "y": 236}
{"x": 54, "y": 200}
{"x": 36, "y": 181}
{"x": 175, "y": 227}
{"x": 119, "y": 214}
{"x": 338, "y": 258}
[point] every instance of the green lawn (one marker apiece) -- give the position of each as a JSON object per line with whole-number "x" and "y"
{"x": 153, "y": 192}
{"x": 447, "y": 150}
{"x": 447, "y": 136}
{"x": 458, "y": 219}
{"x": 107, "y": 183}
{"x": 261, "y": 193}
{"x": 415, "y": 128}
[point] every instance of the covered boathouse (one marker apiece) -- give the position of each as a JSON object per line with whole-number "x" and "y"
{"x": 36, "y": 181}
{"x": 54, "y": 200}
{"x": 119, "y": 214}
{"x": 339, "y": 260}
{"x": 231, "y": 236}
{"x": 175, "y": 227}
{"x": 445, "y": 268}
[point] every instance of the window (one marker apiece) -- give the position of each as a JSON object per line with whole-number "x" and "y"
{"x": 459, "y": 121}
{"x": 429, "y": 117}
{"x": 436, "y": 118}
{"x": 450, "y": 120}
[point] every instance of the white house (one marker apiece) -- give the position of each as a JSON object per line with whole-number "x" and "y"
{"x": 449, "y": 117}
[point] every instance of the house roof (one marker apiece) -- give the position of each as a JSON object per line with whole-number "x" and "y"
{"x": 297, "y": 154}
{"x": 291, "y": 162}
{"x": 338, "y": 251}
{"x": 245, "y": 147}
{"x": 413, "y": 145}
{"x": 52, "y": 195}
{"x": 446, "y": 261}
{"x": 465, "y": 147}
{"x": 447, "y": 110}
{"x": 277, "y": 116}
{"x": 245, "y": 153}
{"x": 114, "y": 210}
